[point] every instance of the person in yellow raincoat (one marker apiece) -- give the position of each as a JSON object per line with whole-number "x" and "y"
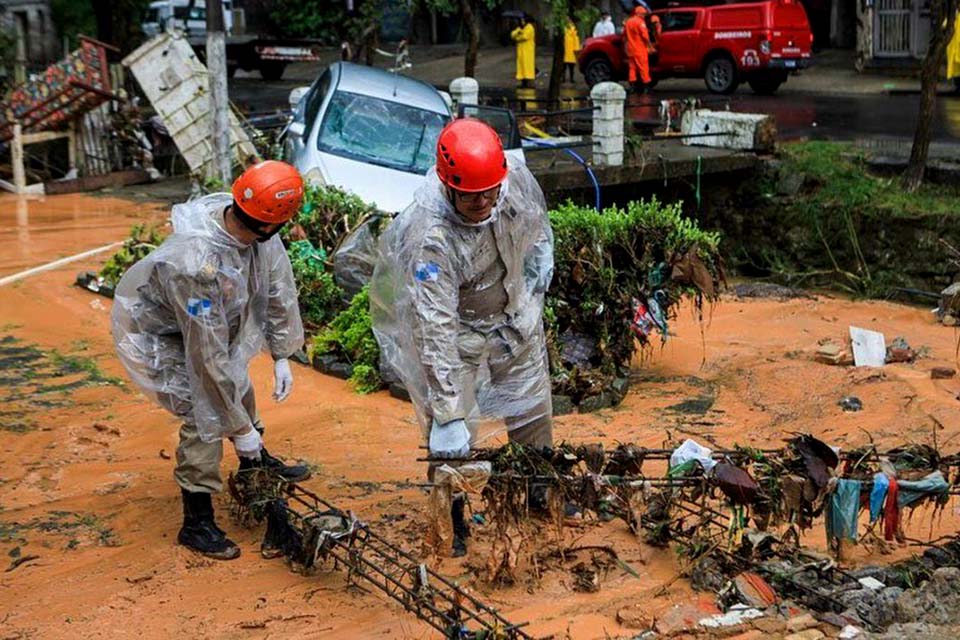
{"x": 571, "y": 44}
{"x": 953, "y": 55}
{"x": 525, "y": 37}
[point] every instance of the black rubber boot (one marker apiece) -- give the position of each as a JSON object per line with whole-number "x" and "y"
{"x": 460, "y": 530}
{"x": 200, "y": 532}
{"x": 289, "y": 472}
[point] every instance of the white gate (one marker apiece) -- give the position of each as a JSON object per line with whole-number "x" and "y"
{"x": 893, "y": 29}
{"x": 901, "y": 28}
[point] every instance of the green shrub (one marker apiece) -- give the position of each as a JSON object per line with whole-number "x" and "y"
{"x": 327, "y": 214}
{"x": 143, "y": 239}
{"x": 350, "y": 336}
{"x": 318, "y": 293}
{"x": 606, "y": 262}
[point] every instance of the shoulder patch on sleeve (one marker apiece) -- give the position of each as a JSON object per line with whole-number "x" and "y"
{"x": 198, "y": 307}
{"x": 427, "y": 271}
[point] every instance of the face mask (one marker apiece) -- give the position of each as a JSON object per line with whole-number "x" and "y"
{"x": 255, "y": 226}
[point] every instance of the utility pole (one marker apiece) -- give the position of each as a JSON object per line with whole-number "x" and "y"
{"x": 222, "y": 165}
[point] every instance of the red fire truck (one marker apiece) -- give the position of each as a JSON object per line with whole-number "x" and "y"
{"x": 760, "y": 43}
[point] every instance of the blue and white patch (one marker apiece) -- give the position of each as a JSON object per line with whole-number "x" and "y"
{"x": 427, "y": 272}
{"x": 198, "y": 307}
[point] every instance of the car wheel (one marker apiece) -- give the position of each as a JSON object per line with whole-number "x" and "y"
{"x": 597, "y": 70}
{"x": 720, "y": 75}
{"x": 271, "y": 70}
{"x": 766, "y": 84}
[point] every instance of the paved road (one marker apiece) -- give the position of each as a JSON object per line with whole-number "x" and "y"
{"x": 799, "y": 113}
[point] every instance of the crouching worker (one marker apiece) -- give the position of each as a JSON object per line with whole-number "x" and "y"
{"x": 457, "y": 299}
{"x": 189, "y": 317}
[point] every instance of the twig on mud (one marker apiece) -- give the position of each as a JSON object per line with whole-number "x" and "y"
{"x": 262, "y": 624}
{"x": 16, "y": 562}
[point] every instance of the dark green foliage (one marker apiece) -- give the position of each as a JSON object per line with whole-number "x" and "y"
{"x": 323, "y": 20}
{"x": 327, "y": 214}
{"x": 605, "y": 263}
{"x": 823, "y": 219}
{"x": 350, "y": 337}
{"x": 143, "y": 239}
{"x": 318, "y": 293}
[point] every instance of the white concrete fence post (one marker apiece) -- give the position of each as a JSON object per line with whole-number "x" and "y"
{"x": 464, "y": 91}
{"x": 608, "y": 100}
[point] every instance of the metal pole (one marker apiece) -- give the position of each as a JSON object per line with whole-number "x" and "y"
{"x": 222, "y": 162}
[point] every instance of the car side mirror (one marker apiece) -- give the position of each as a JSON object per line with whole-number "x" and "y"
{"x": 297, "y": 129}
{"x": 296, "y": 95}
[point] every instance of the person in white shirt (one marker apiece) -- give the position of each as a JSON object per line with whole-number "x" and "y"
{"x": 604, "y": 26}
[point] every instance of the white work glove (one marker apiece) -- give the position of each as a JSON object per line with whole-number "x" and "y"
{"x": 249, "y": 444}
{"x": 282, "y": 379}
{"x": 450, "y": 440}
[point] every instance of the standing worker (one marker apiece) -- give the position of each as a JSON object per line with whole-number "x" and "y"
{"x": 604, "y": 26}
{"x": 188, "y": 318}
{"x": 457, "y": 299}
{"x": 526, "y": 38}
{"x": 953, "y": 55}
{"x": 637, "y": 38}
{"x": 571, "y": 44}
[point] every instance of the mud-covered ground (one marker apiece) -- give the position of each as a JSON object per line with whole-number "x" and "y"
{"x": 89, "y": 511}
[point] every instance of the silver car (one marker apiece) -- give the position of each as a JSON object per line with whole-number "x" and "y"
{"x": 368, "y": 131}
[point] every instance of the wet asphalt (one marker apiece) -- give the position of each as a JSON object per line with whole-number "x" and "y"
{"x": 799, "y": 115}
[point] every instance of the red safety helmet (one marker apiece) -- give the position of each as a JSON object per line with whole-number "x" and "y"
{"x": 270, "y": 192}
{"x": 470, "y": 156}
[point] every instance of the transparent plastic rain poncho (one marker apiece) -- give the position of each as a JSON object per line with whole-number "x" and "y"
{"x": 459, "y": 354}
{"x": 189, "y": 317}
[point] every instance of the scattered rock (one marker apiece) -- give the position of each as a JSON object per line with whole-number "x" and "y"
{"x": 851, "y": 403}
{"x": 801, "y": 623}
{"x": 562, "y": 405}
{"x": 869, "y": 582}
{"x": 735, "y": 617}
{"x": 900, "y": 351}
{"x": 400, "y": 392}
{"x": 322, "y": 363}
{"x": 683, "y": 618}
{"x": 164, "y": 454}
{"x": 950, "y": 301}
{"x": 635, "y": 617}
{"x": 600, "y": 401}
{"x": 829, "y": 352}
{"x": 790, "y": 183}
{"x": 340, "y": 370}
{"x": 942, "y": 373}
{"x": 850, "y": 632}
{"x": 809, "y": 634}
{"x": 949, "y": 320}
{"x": 770, "y": 625}
{"x": 768, "y": 290}
{"x": 753, "y": 634}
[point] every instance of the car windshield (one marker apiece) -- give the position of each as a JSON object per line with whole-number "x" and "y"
{"x": 376, "y": 131}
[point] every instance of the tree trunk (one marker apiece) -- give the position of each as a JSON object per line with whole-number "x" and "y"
{"x": 221, "y": 165}
{"x": 556, "y": 69}
{"x": 941, "y": 30}
{"x": 468, "y": 11}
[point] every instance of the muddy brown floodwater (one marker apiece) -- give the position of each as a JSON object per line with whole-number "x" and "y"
{"x": 85, "y": 469}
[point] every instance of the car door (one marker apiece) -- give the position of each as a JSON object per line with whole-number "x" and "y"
{"x": 304, "y": 119}
{"x": 678, "y": 46}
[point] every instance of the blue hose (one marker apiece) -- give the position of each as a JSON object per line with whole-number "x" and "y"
{"x": 576, "y": 156}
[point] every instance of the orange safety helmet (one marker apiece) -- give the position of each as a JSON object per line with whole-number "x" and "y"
{"x": 470, "y": 156}
{"x": 269, "y": 192}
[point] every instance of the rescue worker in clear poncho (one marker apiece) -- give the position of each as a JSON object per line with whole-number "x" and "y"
{"x": 189, "y": 317}
{"x": 457, "y": 298}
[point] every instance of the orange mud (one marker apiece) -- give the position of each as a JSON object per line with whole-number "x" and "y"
{"x": 89, "y": 489}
